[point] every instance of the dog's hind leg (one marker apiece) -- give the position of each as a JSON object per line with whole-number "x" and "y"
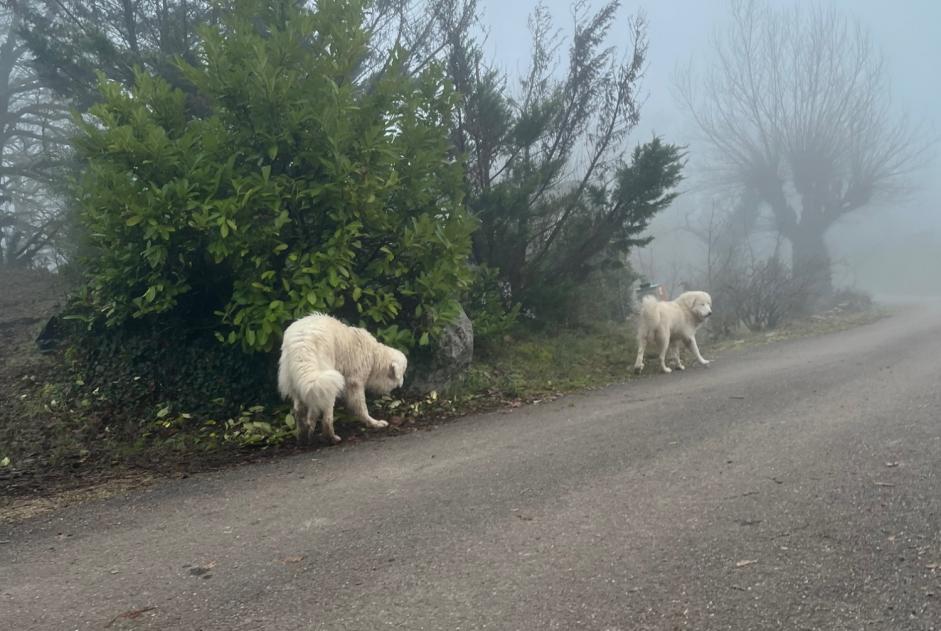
{"x": 693, "y": 346}
{"x": 663, "y": 339}
{"x": 303, "y": 422}
{"x": 641, "y": 349}
{"x": 675, "y": 354}
{"x": 327, "y": 422}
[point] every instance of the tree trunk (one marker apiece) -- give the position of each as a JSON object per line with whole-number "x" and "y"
{"x": 810, "y": 261}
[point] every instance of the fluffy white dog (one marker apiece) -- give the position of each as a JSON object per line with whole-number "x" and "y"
{"x": 321, "y": 358}
{"x": 667, "y": 324}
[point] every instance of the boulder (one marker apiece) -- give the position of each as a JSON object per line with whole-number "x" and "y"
{"x": 450, "y": 357}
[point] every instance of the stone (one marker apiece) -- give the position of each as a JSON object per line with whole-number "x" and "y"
{"x": 451, "y": 356}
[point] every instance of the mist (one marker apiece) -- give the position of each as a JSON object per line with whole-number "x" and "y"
{"x": 889, "y": 248}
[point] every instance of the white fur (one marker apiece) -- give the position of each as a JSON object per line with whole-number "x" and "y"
{"x": 322, "y": 358}
{"x": 669, "y": 323}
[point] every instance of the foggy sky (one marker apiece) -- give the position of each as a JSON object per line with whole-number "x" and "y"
{"x": 909, "y": 37}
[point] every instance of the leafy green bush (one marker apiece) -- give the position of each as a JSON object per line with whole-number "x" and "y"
{"x": 311, "y": 184}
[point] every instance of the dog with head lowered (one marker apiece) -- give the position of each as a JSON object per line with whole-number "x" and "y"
{"x": 668, "y": 324}
{"x": 321, "y": 359}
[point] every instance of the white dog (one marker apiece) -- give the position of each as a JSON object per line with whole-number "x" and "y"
{"x": 668, "y": 324}
{"x": 321, "y": 358}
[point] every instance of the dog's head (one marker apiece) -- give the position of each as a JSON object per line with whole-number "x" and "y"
{"x": 699, "y": 303}
{"x": 389, "y": 373}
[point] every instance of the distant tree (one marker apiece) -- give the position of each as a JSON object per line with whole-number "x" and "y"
{"x": 73, "y": 40}
{"x": 550, "y": 174}
{"x": 795, "y": 107}
{"x": 32, "y": 138}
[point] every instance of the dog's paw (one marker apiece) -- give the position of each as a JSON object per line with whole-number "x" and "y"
{"x": 639, "y": 369}
{"x": 667, "y": 370}
{"x": 377, "y": 424}
{"x": 680, "y": 367}
{"x": 335, "y": 439}
{"x": 706, "y": 362}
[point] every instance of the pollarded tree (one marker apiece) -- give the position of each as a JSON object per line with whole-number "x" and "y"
{"x": 795, "y": 106}
{"x": 305, "y": 186}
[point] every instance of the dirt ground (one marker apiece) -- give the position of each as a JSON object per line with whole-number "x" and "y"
{"x": 27, "y": 300}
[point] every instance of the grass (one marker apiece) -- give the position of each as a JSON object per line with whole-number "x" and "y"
{"x": 529, "y": 364}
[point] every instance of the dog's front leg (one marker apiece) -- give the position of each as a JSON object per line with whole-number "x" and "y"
{"x": 356, "y": 400}
{"x": 693, "y": 346}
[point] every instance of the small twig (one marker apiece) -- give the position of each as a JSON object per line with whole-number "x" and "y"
{"x": 130, "y": 615}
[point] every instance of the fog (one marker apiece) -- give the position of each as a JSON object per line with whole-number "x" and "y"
{"x": 884, "y": 244}
{"x": 886, "y": 248}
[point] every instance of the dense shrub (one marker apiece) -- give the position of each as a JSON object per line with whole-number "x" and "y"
{"x": 132, "y": 381}
{"x": 308, "y": 185}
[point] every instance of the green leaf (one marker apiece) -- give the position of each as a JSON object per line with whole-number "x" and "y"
{"x": 150, "y": 294}
{"x": 133, "y": 221}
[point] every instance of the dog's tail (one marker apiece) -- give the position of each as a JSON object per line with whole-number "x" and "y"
{"x": 320, "y": 389}
{"x": 649, "y": 317}
{"x": 315, "y": 387}
{"x": 649, "y": 303}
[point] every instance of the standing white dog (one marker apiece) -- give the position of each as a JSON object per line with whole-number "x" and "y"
{"x": 321, "y": 358}
{"x": 668, "y": 324}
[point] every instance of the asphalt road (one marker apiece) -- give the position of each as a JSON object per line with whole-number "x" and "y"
{"x": 791, "y": 486}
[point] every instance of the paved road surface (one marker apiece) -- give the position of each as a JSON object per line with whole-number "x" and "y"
{"x": 792, "y": 486}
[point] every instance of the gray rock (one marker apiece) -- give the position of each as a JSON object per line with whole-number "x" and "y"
{"x": 451, "y": 356}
